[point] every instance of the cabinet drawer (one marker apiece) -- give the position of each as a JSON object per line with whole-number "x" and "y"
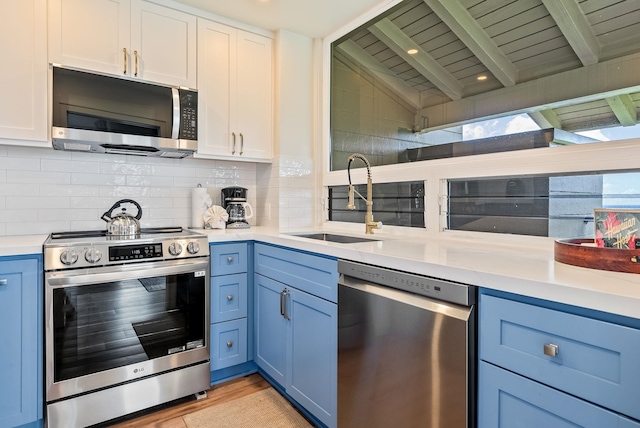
{"x": 228, "y": 297}
{"x": 228, "y": 258}
{"x": 316, "y": 275}
{"x": 595, "y": 360}
{"x": 508, "y": 400}
{"x": 228, "y": 344}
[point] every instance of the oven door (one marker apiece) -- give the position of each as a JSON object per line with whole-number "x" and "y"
{"x": 106, "y": 326}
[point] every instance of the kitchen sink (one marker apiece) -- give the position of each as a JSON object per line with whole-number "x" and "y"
{"x": 341, "y": 239}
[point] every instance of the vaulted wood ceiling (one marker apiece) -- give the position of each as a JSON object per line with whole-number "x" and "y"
{"x": 569, "y": 64}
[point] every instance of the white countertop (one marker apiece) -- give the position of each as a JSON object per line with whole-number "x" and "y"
{"x": 526, "y": 269}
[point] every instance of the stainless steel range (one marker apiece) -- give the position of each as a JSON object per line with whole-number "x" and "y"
{"x": 127, "y": 322}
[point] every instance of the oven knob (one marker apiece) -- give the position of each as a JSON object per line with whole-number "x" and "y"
{"x": 69, "y": 257}
{"x": 175, "y": 249}
{"x": 92, "y": 255}
{"x": 193, "y": 247}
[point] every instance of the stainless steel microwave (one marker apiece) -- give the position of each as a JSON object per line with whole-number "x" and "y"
{"x": 107, "y": 114}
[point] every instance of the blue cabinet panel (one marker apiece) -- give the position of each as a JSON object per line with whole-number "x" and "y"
{"x": 228, "y": 343}
{"x": 313, "y": 274}
{"x": 596, "y": 360}
{"x": 270, "y": 330}
{"x": 312, "y": 355}
{"x": 21, "y": 338}
{"x": 228, "y": 297}
{"x": 507, "y": 400}
{"x": 228, "y": 258}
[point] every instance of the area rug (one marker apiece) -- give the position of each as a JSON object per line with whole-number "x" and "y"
{"x": 265, "y": 408}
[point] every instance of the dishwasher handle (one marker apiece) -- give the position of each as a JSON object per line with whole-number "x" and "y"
{"x": 283, "y": 303}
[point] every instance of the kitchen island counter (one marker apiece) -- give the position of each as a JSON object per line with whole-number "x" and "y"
{"x": 527, "y": 269}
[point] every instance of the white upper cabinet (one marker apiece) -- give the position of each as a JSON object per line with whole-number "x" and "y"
{"x": 131, "y": 38}
{"x": 235, "y": 86}
{"x": 23, "y": 75}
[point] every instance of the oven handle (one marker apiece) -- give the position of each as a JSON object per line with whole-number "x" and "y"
{"x": 99, "y": 275}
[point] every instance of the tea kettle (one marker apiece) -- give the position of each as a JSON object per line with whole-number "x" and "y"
{"x": 122, "y": 223}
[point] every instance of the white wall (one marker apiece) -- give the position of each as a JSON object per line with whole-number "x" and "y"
{"x": 286, "y": 187}
{"x": 44, "y": 190}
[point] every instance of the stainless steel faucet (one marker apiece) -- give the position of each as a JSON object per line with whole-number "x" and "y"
{"x": 368, "y": 218}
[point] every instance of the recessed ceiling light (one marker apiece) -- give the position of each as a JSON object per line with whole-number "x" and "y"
{"x": 482, "y": 77}
{"x": 412, "y": 51}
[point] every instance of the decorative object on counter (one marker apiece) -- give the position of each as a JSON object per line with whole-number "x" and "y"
{"x": 585, "y": 253}
{"x": 234, "y": 200}
{"x": 215, "y": 217}
{"x": 200, "y": 201}
{"x": 368, "y": 218}
{"x": 123, "y": 224}
{"x": 617, "y": 228}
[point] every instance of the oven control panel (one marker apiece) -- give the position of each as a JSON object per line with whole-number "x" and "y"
{"x": 104, "y": 254}
{"x": 135, "y": 252}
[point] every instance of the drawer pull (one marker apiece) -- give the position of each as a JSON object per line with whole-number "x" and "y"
{"x": 4, "y": 281}
{"x": 229, "y": 344}
{"x": 551, "y": 350}
{"x": 230, "y": 259}
{"x": 229, "y": 297}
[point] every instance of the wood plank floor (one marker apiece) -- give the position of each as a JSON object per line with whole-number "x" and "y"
{"x": 171, "y": 417}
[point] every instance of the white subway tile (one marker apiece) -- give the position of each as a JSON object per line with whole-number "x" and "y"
{"x": 98, "y": 179}
{"x": 173, "y": 171}
{"x": 67, "y": 190}
{"x": 149, "y": 181}
{"x": 98, "y": 202}
{"x": 124, "y": 169}
{"x": 18, "y": 215}
{"x": 20, "y": 164}
{"x": 48, "y": 214}
{"x": 65, "y": 165}
{"x": 15, "y": 189}
{"x": 36, "y": 228}
{"x": 35, "y": 202}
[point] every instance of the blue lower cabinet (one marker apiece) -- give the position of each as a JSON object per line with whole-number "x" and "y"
{"x": 507, "y": 400}
{"x": 296, "y": 345}
{"x": 312, "y": 352}
{"x": 228, "y": 343}
{"x": 21, "y": 338}
{"x": 271, "y": 328}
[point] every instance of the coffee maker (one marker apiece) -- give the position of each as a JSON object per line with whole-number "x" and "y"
{"x": 234, "y": 200}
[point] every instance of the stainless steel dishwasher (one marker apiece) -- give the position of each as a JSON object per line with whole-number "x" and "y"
{"x": 406, "y": 349}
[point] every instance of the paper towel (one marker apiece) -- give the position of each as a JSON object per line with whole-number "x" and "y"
{"x": 215, "y": 217}
{"x": 200, "y": 201}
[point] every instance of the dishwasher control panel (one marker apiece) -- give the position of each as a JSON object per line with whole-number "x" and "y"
{"x": 435, "y": 288}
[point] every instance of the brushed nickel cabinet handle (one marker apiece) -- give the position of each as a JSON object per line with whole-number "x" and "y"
{"x": 230, "y": 259}
{"x": 135, "y": 55}
{"x": 233, "y": 151}
{"x": 229, "y": 344}
{"x": 551, "y": 350}
{"x": 4, "y": 281}
{"x": 283, "y": 304}
{"x": 241, "y": 144}
{"x": 230, "y": 297}
{"x": 124, "y": 50}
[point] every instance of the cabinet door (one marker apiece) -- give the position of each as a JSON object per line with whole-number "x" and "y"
{"x": 163, "y": 44}
{"x": 23, "y": 78}
{"x": 216, "y": 88}
{"x": 90, "y": 34}
{"x": 19, "y": 308}
{"x": 228, "y": 297}
{"x": 312, "y": 355}
{"x": 255, "y": 100}
{"x": 270, "y": 328}
{"x": 507, "y": 400}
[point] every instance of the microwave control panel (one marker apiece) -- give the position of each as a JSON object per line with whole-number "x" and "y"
{"x": 188, "y": 115}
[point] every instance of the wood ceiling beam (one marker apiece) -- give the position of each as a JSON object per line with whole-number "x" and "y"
{"x": 546, "y": 119}
{"x": 359, "y": 56}
{"x": 624, "y": 109}
{"x": 596, "y": 82}
{"x": 575, "y": 28}
{"x": 458, "y": 19}
{"x": 425, "y": 64}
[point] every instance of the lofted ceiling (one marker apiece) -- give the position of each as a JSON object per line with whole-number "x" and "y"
{"x": 569, "y": 64}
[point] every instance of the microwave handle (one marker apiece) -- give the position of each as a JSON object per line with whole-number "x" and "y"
{"x": 175, "y": 131}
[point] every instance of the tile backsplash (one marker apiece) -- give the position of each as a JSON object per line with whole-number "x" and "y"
{"x": 44, "y": 191}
